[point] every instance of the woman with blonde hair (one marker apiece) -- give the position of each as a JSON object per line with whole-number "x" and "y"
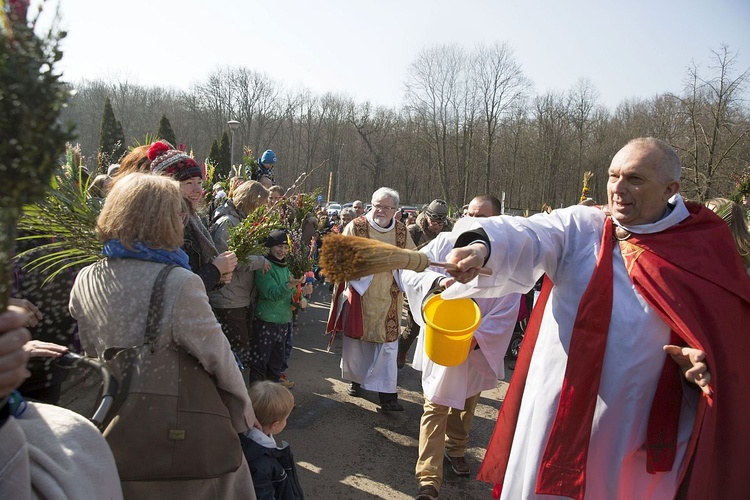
{"x": 141, "y": 226}
{"x": 233, "y": 304}
{"x": 734, "y": 215}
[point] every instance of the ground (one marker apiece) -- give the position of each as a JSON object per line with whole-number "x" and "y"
{"x": 344, "y": 447}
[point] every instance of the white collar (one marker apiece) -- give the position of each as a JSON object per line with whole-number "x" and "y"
{"x": 265, "y": 440}
{"x": 678, "y": 214}
{"x": 375, "y": 225}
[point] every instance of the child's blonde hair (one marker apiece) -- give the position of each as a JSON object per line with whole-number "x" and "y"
{"x": 272, "y": 402}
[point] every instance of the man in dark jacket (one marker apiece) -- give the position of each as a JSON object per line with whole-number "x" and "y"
{"x": 429, "y": 223}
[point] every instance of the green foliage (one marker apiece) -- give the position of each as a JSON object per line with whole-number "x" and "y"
{"x": 148, "y": 139}
{"x": 305, "y": 204}
{"x": 63, "y": 224}
{"x": 742, "y": 186}
{"x": 32, "y": 136}
{"x": 111, "y": 138}
{"x": 165, "y": 131}
{"x": 214, "y": 154}
{"x": 223, "y": 166}
{"x": 31, "y": 98}
{"x": 299, "y": 260}
{"x": 248, "y": 237}
{"x": 249, "y": 163}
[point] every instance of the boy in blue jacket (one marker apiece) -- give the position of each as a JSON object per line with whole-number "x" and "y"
{"x": 272, "y": 466}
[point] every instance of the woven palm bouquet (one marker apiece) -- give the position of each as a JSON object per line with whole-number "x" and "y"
{"x": 249, "y": 236}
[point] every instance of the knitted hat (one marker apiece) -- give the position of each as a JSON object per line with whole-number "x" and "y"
{"x": 268, "y": 158}
{"x": 276, "y": 237}
{"x": 437, "y": 210}
{"x": 165, "y": 160}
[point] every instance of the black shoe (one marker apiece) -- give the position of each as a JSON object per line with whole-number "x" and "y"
{"x": 354, "y": 389}
{"x": 427, "y": 492}
{"x": 459, "y": 466}
{"x": 392, "y": 405}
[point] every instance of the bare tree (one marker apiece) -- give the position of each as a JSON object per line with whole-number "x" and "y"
{"x": 500, "y": 84}
{"x": 433, "y": 85}
{"x": 713, "y": 106}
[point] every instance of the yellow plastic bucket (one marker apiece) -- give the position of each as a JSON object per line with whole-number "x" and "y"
{"x": 449, "y": 328}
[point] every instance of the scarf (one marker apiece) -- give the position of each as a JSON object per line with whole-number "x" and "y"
{"x": 198, "y": 234}
{"x": 278, "y": 262}
{"x": 563, "y": 468}
{"x": 115, "y": 250}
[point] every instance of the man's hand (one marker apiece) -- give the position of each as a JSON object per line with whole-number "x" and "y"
{"x": 13, "y": 358}
{"x": 446, "y": 282}
{"x": 468, "y": 260}
{"x": 693, "y": 364}
{"x": 34, "y": 315}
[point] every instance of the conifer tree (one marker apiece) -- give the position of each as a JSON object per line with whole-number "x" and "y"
{"x": 214, "y": 155}
{"x": 111, "y": 138}
{"x": 165, "y": 131}
{"x": 224, "y": 165}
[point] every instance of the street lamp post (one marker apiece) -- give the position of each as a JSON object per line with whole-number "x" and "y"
{"x": 338, "y": 171}
{"x": 233, "y": 124}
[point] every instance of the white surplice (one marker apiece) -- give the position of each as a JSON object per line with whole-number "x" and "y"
{"x": 565, "y": 245}
{"x": 451, "y": 386}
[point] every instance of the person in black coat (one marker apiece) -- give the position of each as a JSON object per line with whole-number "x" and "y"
{"x": 272, "y": 466}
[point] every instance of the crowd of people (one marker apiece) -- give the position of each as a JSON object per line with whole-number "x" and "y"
{"x": 621, "y": 390}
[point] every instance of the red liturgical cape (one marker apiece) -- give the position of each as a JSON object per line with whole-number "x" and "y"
{"x": 692, "y": 276}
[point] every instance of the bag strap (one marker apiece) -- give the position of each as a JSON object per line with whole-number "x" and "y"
{"x": 155, "y": 307}
{"x": 153, "y": 329}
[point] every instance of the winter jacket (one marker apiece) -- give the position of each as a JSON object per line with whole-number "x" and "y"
{"x": 274, "y": 303}
{"x": 273, "y": 470}
{"x": 241, "y": 291}
{"x": 201, "y": 260}
{"x": 420, "y": 233}
{"x": 110, "y": 301}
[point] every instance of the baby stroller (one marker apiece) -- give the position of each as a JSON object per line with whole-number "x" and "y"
{"x": 524, "y": 312}
{"x": 109, "y": 387}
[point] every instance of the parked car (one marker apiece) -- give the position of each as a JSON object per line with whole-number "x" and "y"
{"x": 333, "y": 208}
{"x": 410, "y": 209}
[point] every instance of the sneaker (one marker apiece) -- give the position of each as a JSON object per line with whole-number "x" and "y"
{"x": 285, "y": 381}
{"x": 459, "y": 465}
{"x": 354, "y": 389}
{"x": 427, "y": 492}
{"x": 400, "y": 360}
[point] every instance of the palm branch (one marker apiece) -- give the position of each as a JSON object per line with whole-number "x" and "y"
{"x": 61, "y": 227}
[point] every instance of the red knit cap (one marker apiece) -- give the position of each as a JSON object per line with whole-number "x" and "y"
{"x": 165, "y": 160}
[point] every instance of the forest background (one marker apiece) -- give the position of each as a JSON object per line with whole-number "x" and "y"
{"x": 470, "y": 123}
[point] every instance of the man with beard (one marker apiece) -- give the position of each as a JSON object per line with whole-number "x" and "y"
{"x": 374, "y": 303}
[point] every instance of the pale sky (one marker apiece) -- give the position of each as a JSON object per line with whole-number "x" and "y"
{"x": 627, "y": 48}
